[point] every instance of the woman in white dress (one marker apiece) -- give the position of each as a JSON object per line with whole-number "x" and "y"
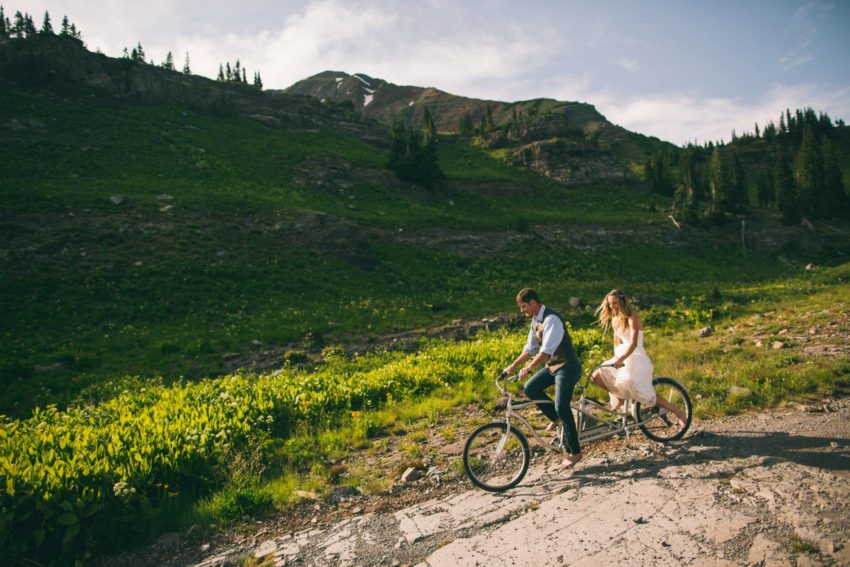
{"x": 631, "y": 375}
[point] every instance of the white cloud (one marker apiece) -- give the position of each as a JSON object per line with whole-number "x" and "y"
{"x": 682, "y": 118}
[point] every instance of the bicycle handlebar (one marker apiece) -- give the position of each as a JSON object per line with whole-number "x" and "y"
{"x": 503, "y": 377}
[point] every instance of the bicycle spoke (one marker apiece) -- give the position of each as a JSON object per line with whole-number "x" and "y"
{"x": 496, "y": 458}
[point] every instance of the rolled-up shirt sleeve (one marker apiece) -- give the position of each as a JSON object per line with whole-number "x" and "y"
{"x": 531, "y": 345}
{"x": 553, "y": 334}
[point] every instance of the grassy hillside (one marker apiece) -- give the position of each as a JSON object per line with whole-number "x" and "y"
{"x": 148, "y": 250}
{"x": 232, "y": 237}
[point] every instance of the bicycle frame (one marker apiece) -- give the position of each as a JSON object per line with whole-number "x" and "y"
{"x": 589, "y": 426}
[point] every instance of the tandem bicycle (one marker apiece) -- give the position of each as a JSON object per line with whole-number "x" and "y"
{"x": 496, "y": 456}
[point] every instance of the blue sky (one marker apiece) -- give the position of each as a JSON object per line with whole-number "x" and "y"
{"x": 679, "y": 70}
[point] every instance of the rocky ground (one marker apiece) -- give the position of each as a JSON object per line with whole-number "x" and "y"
{"x": 762, "y": 489}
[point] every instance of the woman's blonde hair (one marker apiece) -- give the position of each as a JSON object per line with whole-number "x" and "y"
{"x": 604, "y": 312}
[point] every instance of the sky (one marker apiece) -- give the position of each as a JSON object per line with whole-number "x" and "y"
{"x": 681, "y": 70}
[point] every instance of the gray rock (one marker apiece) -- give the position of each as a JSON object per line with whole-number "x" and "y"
{"x": 118, "y": 200}
{"x": 776, "y": 345}
{"x": 410, "y": 475}
{"x": 575, "y": 302}
{"x": 705, "y": 331}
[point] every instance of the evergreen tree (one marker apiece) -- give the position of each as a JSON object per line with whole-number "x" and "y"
{"x": 74, "y": 33}
{"x": 808, "y": 170}
{"x": 834, "y": 196}
{"x": 719, "y": 181}
{"x": 758, "y": 135}
{"x": 125, "y": 54}
{"x": 483, "y": 126}
{"x": 738, "y": 193}
{"x": 169, "y": 62}
{"x": 29, "y": 26}
{"x": 244, "y": 76}
{"x": 186, "y": 69}
{"x": 66, "y": 27}
{"x": 489, "y": 114}
{"x": 237, "y": 73}
{"x": 221, "y": 76}
{"x": 413, "y": 155}
{"x": 20, "y": 26}
{"x": 786, "y": 194}
{"x": 770, "y": 131}
{"x": 228, "y": 73}
{"x": 4, "y": 31}
{"x": 258, "y": 81}
{"x": 46, "y": 26}
{"x": 466, "y": 128}
{"x": 764, "y": 191}
{"x": 138, "y": 53}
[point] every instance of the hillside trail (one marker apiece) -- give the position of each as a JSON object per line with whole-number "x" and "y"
{"x": 770, "y": 488}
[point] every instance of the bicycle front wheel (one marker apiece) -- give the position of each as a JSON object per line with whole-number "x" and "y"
{"x": 659, "y": 423}
{"x": 496, "y": 458}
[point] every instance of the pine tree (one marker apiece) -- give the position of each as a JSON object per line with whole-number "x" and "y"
{"x": 758, "y": 135}
{"x": 29, "y": 26}
{"x": 786, "y": 194}
{"x": 228, "y": 73}
{"x": 134, "y": 55}
{"x": 489, "y": 114}
{"x": 20, "y": 25}
{"x": 221, "y": 72}
{"x": 258, "y": 81}
{"x": 835, "y": 198}
{"x": 186, "y": 69}
{"x": 46, "y": 26}
{"x": 169, "y": 62}
{"x": 719, "y": 181}
{"x": 4, "y": 31}
{"x": 125, "y": 55}
{"x": 73, "y": 32}
{"x": 808, "y": 171}
{"x": 244, "y": 76}
{"x": 466, "y": 127}
{"x": 764, "y": 191}
{"x": 66, "y": 27}
{"x": 237, "y": 73}
{"x": 738, "y": 193}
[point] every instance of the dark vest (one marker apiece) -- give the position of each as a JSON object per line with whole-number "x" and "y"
{"x": 565, "y": 354}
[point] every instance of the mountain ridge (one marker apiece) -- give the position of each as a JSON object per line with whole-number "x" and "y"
{"x": 570, "y": 142}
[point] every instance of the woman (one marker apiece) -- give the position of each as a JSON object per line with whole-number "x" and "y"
{"x": 631, "y": 375}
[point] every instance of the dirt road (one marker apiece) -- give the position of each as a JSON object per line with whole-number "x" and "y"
{"x": 763, "y": 489}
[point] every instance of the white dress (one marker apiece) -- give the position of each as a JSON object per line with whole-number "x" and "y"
{"x": 633, "y": 380}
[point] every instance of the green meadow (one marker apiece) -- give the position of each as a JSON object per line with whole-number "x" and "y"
{"x": 119, "y": 318}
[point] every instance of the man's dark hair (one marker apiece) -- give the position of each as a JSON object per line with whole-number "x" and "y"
{"x": 526, "y": 295}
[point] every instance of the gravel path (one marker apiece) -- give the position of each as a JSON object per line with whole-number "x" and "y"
{"x": 761, "y": 489}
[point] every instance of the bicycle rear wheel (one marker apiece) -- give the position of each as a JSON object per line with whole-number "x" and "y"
{"x": 496, "y": 458}
{"x": 659, "y": 424}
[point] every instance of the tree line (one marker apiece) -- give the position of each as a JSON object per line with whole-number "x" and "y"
{"x": 23, "y": 27}
{"x": 799, "y": 176}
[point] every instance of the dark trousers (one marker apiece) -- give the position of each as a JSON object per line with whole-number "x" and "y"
{"x": 565, "y": 380}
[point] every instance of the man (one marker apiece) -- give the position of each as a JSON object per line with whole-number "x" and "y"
{"x": 549, "y": 342}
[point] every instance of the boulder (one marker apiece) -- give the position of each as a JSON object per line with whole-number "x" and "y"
{"x": 705, "y": 331}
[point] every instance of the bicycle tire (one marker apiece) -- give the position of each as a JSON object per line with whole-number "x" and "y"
{"x": 655, "y": 422}
{"x": 494, "y": 462}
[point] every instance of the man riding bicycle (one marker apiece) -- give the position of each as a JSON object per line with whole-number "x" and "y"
{"x": 549, "y": 342}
